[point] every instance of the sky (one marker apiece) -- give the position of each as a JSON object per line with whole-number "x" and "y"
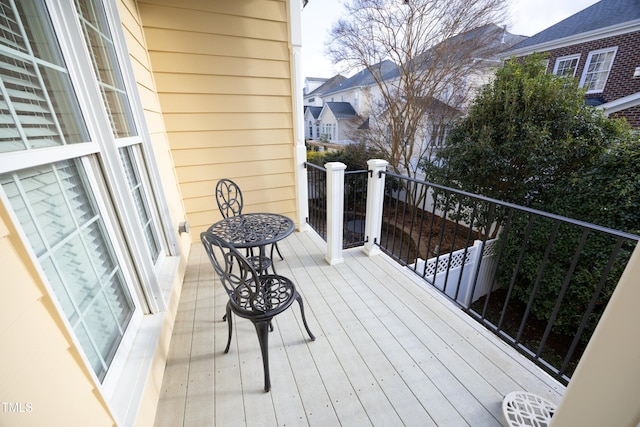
{"x": 527, "y": 17}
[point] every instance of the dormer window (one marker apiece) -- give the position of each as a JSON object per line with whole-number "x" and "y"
{"x": 596, "y": 71}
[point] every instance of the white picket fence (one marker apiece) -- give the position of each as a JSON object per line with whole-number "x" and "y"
{"x": 444, "y": 271}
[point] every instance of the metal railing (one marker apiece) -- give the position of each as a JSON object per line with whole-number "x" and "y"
{"x": 317, "y": 193}
{"x": 355, "y": 202}
{"x": 539, "y": 281}
{"x": 355, "y": 206}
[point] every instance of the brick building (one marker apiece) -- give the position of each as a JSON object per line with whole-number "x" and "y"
{"x": 600, "y": 46}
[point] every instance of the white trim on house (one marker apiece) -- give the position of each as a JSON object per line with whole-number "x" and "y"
{"x": 621, "y": 104}
{"x": 300, "y": 153}
{"x": 600, "y": 33}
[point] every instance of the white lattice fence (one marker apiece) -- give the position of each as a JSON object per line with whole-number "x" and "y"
{"x": 445, "y": 271}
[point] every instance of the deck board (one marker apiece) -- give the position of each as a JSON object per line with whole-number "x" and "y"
{"x": 389, "y": 351}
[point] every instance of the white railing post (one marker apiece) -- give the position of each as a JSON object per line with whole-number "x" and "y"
{"x": 375, "y": 200}
{"x": 335, "y": 211}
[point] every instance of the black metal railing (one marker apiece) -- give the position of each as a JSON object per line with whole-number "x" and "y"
{"x": 539, "y": 281}
{"x": 317, "y": 190}
{"x": 355, "y": 206}
{"x": 355, "y": 203}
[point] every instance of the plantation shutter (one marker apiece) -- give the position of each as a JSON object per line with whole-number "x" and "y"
{"x": 29, "y": 88}
{"x": 56, "y": 209}
{"x": 57, "y": 203}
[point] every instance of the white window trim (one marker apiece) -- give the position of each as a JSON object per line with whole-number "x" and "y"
{"x": 124, "y": 382}
{"x": 92, "y": 105}
{"x": 567, "y": 58}
{"x": 586, "y": 66}
{"x": 109, "y": 385}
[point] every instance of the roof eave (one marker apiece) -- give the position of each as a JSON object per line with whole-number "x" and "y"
{"x": 600, "y": 33}
{"x": 621, "y": 103}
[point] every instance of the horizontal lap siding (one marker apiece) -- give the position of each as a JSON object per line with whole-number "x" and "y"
{"x": 222, "y": 71}
{"x": 147, "y": 91}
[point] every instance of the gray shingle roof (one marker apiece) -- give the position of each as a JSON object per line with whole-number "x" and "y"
{"x": 485, "y": 42}
{"x": 341, "y": 110}
{"x": 328, "y": 85}
{"x": 364, "y": 77}
{"x": 605, "y": 13}
{"x": 315, "y": 111}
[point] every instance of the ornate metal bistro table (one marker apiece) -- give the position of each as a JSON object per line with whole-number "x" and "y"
{"x": 253, "y": 230}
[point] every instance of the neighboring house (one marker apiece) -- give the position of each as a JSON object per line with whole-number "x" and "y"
{"x": 119, "y": 116}
{"x": 312, "y": 83}
{"x": 357, "y": 89}
{"x": 337, "y": 119}
{"x": 600, "y": 46}
{"x": 311, "y": 122}
{"x": 313, "y": 97}
{"x": 482, "y": 45}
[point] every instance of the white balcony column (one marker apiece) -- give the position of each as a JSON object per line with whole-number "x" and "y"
{"x": 375, "y": 200}
{"x": 300, "y": 153}
{"x": 335, "y": 211}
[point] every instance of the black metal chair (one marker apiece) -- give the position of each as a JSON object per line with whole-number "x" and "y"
{"x": 258, "y": 298}
{"x": 229, "y": 198}
{"x": 230, "y": 203}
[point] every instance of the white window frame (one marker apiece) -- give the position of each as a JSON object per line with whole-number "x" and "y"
{"x": 565, "y": 59}
{"x": 585, "y": 72}
{"x": 123, "y": 384}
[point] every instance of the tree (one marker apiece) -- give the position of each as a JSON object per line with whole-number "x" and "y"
{"x": 421, "y": 55}
{"x": 531, "y": 139}
{"x": 524, "y": 133}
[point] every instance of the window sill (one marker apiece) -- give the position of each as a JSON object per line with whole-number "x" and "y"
{"x": 127, "y": 397}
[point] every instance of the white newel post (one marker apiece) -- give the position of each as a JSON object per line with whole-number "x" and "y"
{"x": 375, "y": 199}
{"x": 335, "y": 211}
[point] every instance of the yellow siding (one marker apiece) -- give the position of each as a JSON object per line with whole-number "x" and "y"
{"x": 222, "y": 70}
{"x": 223, "y": 138}
{"x": 146, "y": 88}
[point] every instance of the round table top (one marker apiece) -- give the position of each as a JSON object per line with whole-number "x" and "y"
{"x": 253, "y": 229}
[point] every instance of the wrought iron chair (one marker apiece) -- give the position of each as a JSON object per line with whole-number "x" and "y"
{"x": 230, "y": 203}
{"x": 258, "y": 298}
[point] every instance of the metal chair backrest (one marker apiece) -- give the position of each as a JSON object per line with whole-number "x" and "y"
{"x": 229, "y": 198}
{"x": 239, "y": 278}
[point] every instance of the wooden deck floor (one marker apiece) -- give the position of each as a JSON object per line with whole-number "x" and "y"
{"x": 389, "y": 351}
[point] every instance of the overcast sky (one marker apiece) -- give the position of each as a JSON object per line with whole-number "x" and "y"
{"x": 527, "y": 17}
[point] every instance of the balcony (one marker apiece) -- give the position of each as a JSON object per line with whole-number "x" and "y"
{"x": 390, "y": 350}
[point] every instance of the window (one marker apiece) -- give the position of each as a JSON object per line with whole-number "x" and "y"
{"x": 103, "y": 56}
{"x": 34, "y": 79}
{"x": 67, "y": 232}
{"x": 596, "y": 71}
{"x": 566, "y": 66}
{"x": 85, "y": 205}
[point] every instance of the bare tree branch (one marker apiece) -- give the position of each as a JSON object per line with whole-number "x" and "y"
{"x": 438, "y": 47}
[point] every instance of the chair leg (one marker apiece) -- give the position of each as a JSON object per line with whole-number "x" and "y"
{"x": 304, "y": 318}
{"x": 262, "y": 328}
{"x": 229, "y": 319}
